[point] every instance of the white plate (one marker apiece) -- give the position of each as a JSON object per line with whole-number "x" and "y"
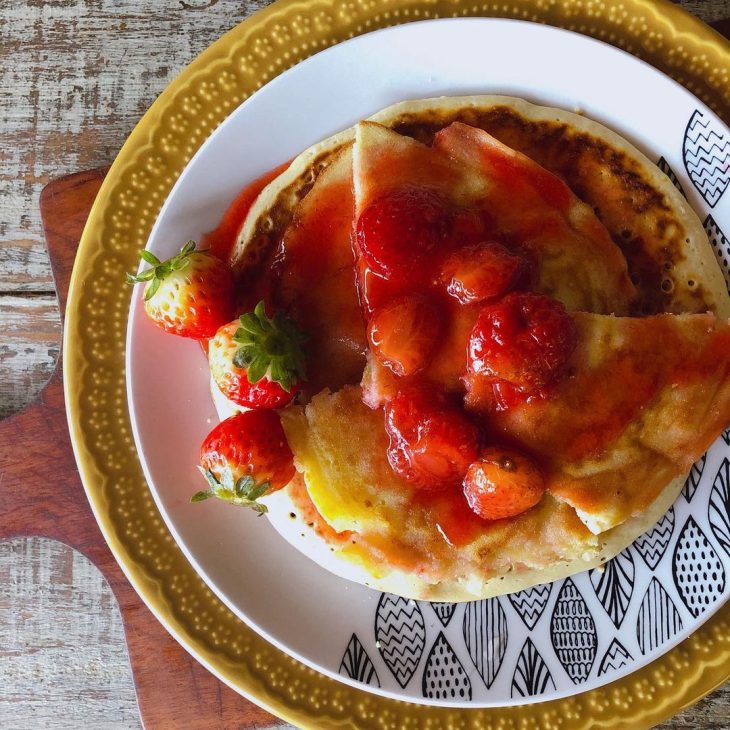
{"x": 547, "y": 642}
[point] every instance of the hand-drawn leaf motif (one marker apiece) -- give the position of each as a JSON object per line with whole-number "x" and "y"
{"x": 721, "y": 246}
{"x": 615, "y": 658}
{"x": 573, "y": 633}
{"x": 698, "y": 572}
{"x": 653, "y": 543}
{"x": 693, "y": 478}
{"x": 658, "y": 619}
{"x": 531, "y": 603}
{"x": 485, "y": 635}
{"x": 706, "y": 153}
{"x": 726, "y": 432}
{"x": 444, "y": 677}
{"x": 444, "y": 611}
{"x": 532, "y": 676}
{"x": 664, "y": 166}
{"x": 614, "y": 584}
{"x": 356, "y": 663}
{"x": 719, "y": 509}
{"x": 400, "y": 635}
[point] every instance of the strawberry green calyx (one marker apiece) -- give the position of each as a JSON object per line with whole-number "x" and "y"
{"x": 244, "y": 492}
{"x": 270, "y": 347}
{"x": 160, "y": 269}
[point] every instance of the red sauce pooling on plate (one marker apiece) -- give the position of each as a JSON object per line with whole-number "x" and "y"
{"x": 220, "y": 240}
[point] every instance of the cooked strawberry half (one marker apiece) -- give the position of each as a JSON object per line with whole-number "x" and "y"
{"x": 190, "y": 295}
{"x": 245, "y": 457}
{"x": 502, "y": 483}
{"x": 524, "y": 339}
{"x": 396, "y": 231}
{"x": 258, "y": 362}
{"x": 403, "y": 334}
{"x": 469, "y": 227}
{"x": 482, "y": 272}
{"x": 432, "y": 442}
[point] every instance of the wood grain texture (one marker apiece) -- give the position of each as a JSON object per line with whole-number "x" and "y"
{"x": 63, "y": 661}
{"x": 76, "y": 75}
{"x": 29, "y": 347}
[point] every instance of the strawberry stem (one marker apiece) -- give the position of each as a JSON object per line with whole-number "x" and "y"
{"x": 270, "y": 347}
{"x": 244, "y": 492}
{"x": 160, "y": 269}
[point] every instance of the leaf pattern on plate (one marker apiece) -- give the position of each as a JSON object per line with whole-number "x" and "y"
{"x": 721, "y": 246}
{"x": 400, "y": 635}
{"x": 664, "y": 166}
{"x": 698, "y": 572}
{"x": 573, "y": 633}
{"x": 706, "y": 154}
{"x": 615, "y": 658}
{"x": 444, "y": 611}
{"x": 614, "y": 585}
{"x": 718, "y": 512}
{"x": 444, "y": 677}
{"x": 485, "y": 635}
{"x": 532, "y": 676}
{"x": 653, "y": 543}
{"x": 356, "y": 663}
{"x": 693, "y": 478}
{"x": 531, "y": 603}
{"x": 658, "y": 619}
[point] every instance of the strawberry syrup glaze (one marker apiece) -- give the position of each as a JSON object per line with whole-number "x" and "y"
{"x": 220, "y": 241}
{"x": 434, "y": 434}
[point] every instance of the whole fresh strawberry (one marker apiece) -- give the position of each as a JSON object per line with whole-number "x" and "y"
{"x": 258, "y": 361}
{"x": 190, "y": 295}
{"x": 245, "y": 457}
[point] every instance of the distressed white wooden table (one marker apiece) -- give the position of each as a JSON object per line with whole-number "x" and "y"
{"x": 75, "y": 76}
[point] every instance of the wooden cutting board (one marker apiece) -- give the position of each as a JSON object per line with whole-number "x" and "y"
{"x": 42, "y": 495}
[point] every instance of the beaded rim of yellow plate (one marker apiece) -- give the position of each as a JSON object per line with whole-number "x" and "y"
{"x": 158, "y": 149}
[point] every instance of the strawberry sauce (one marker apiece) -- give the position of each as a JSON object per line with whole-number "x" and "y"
{"x": 220, "y": 241}
{"x": 430, "y": 267}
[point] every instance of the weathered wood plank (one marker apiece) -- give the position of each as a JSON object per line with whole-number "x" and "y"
{"x": 63, "y": 662}
{"x": 29, "y": 346}
{"x": 83, "y": 71}
{"x": 708, "y": 10}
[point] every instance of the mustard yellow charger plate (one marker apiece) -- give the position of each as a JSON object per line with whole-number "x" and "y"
{"x": 121, "y": 221}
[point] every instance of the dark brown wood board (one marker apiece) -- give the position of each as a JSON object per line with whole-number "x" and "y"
{"x": 41, "y": 494}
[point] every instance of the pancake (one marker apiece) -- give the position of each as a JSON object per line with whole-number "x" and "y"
{"x": 663, "y": 241}
{"x": 575, "y": 259}
{"x": 614, "y": 442}
{"x": 348, "y": 509}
